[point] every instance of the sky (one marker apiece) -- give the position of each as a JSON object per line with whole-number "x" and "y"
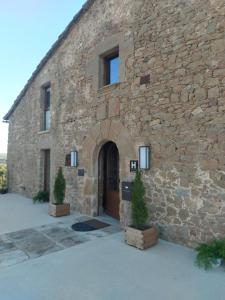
{"x": 28, "y": 28}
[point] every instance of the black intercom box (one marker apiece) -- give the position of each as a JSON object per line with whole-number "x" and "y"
{"x": 126, "y": 190}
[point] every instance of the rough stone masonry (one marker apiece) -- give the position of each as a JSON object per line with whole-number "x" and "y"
{"x": 179, "y": 112}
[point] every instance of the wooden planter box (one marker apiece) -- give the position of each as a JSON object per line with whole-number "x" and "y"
{"x": 59, "y": 210}
{"x": 141, "y": 239}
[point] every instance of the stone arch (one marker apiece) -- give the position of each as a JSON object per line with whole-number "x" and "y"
{"x": 101, "y": 133}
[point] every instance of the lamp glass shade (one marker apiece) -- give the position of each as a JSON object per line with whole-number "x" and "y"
{"x": 74, "y": 160}
{"x": 144, "y": 157}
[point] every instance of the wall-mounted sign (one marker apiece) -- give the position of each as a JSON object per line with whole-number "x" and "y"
{"x": 133, "y": 165}
{"x": 81, "y": 172}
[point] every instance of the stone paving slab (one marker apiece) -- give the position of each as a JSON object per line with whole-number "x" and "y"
{"x": 21, "y": 234}
{"x": 19, "y": 246}
{"x": 71, "y": 241}
{"x": 6, "y": 245}
{"x": 12, "y": 257}
{"x": 37, "y": 245}
{"x": 57, "y": 233}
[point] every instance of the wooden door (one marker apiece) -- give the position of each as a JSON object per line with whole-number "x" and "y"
{"x": 112, "y": 199}
{"x": 47, "y": 170}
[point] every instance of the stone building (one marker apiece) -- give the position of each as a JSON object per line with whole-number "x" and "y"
{"x": 126, "y": 74}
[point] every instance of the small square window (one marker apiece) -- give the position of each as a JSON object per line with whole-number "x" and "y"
{"x": 111, "y": 64}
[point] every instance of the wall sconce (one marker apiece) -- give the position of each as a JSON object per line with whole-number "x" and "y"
{"x": 74, "y": 158}
{"x": 144, "y": 157}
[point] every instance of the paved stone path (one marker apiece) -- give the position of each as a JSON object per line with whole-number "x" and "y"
{"x": 19, "y": 246}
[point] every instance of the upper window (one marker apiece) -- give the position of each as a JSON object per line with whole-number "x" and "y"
{"x": 47, "y": 104}
{"x": 111, "y": 67}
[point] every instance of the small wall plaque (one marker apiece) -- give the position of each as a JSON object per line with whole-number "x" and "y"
{"x": 81, "y": 172}
{"x": 133, "y": 165}
{"x": 145, "y": 79}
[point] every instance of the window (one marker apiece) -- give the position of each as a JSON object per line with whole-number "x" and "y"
{"x": 47, "y": 103}
{"x": 111, "y": 67}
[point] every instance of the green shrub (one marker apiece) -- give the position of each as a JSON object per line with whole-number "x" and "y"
{"x": 3, "y": 191}
{"x": 59, "y": 187}
{"x": 41, "y": 197}
{"x": 208, "y": 253}
{"x": 138, "y": 205}
{"x": 3, "y": 177}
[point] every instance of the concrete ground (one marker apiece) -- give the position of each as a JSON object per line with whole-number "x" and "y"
{"x": 17, "y": 213}
{"x": 105, "y": 269}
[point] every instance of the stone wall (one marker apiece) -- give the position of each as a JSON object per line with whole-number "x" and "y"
{"x": 181, "y": 44}
{"x": 180, "y": 113}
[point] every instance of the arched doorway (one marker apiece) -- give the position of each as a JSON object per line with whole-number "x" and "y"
{"x": 108, "y": 180}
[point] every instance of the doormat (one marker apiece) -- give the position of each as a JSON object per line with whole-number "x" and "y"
{"x": 89, "y": 225}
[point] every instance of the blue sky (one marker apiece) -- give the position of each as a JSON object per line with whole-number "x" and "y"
{"x": 28, "y": 28}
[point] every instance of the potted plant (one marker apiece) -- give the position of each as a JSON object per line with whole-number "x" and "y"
{"x": 58, "y": 208}
{"x": 211, "y": 255}
{"x": 139, "y": 234}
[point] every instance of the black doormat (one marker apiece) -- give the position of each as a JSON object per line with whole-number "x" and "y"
{"x": 89, "y": 225}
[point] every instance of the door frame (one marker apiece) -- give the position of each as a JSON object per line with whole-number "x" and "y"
{"x": 47, "y": 170}
{"x": 96, "y": 136}
{"x": 102, "y": 177}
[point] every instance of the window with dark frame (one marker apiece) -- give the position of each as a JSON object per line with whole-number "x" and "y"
{"x": 111, "y": 67}
{"x": 47, "y": 104}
